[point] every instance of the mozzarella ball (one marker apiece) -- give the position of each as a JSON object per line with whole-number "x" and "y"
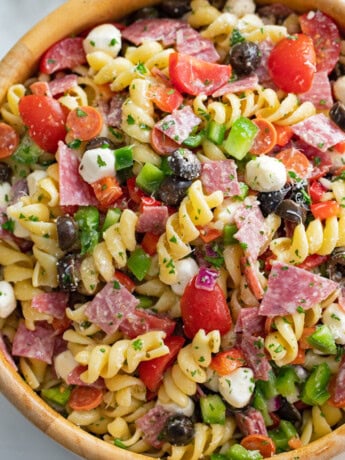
{"x": 334, "y": 317}
{"x": 105, "y": 37}
{"x": 339, "y": 89}
{"x": 188, "y": 411}
{"x": 186, "y": 270}
{"x": 5, "y": 189}
{"x": 237, "y": 388}
{"x": 265, "y": 174}
{"x": 64, "y": 363}
{"x": 8, "y": 301}
{"x": 96, "y": 164}
{"x": 33, "y": 180}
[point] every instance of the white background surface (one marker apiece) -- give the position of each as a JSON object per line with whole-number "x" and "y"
{"x": 19, "y": 439}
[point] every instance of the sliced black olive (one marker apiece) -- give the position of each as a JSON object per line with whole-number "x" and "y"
{"x": 172, "y": 190}
{"x": 245, "y": 57}
{"x": 269, "y": 201}
{"x": 100, "y": 142}
{"x": 338, "y": 71}
{"x": 67, "y": 230}
{"x": 184, "y": 164}
{"x": 5, "y": 173}
{"x": 68, "y": 272}
{"x": 291, "y": 211}
{"x": 337, "y": 114}
{"x": 336, "y": 265}
{"x": 288, "y": 411}
{"x": 299, "y": 195}
{"x": 76, "y": 297}
{"x": 178, "y": 430}
{"x": 174, "y": 8}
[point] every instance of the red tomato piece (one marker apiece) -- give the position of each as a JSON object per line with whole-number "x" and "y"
{"x": 60, "y": 325}
{"x": 9, "y": 140}
{"x": 325, "y": 35}
{"x": 313, "y": 261}
{"x": 161, "y": 143}
{"x": 45, "y": 118}
{"x": 84, "y": 123}
{"x": 228, "y": 361}
{"x": 125, "y": 280}
{"x": 107, "y": 191}
{"x": 209, "y": 233}
{"x": 149, "y": 243}
{"x": 316, "y": 190}
{"x": 151, "y": 372}
{"x": 291, "y": 64}
{"x": 264, "y": 444}
{"x": 142, "y": 321}
{"x": 135, "y": 193}
{"x": 64, "y": 54}
{"x": 194, "y": 76}
{"x": 166, "y": 98}
{"x": 85, "y": 398}
{"x": 201, "y": 309}
{"x": 340, "y": 147}
{"x": 266, "y": 137}
{"x": 325, "y": 209}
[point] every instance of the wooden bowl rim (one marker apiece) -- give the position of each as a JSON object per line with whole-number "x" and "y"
{"x": 15, "y": 67}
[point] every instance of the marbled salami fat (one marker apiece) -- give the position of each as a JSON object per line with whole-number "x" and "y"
{"x": 36, "y": 344}
{"x": 220, "y": 175}
{"x": 179, "y": 124}
{"x": 163, "y": 30}
{"x": 189, "y": 41}
{"x": 52, "y": 303}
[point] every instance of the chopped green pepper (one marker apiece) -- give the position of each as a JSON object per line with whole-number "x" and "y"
{"x": 315, "y": 388}
{"x": 195, "y": 140}
{"x": 244, "y": 191}
{"x": 144, "y": 301}
{"x": 218, "y": 457}
{"x": 212, "y": 409}
{"x": 240, "y": 138}
{"x": 59, "y": 394}
{"x": 27, "y": 151}
{"x": 268, "y": 387}
{"x": 149, "y": 178}
{"x": 216, "y": 132}
{"x": 87, "y": 219}
{"x": 139, "y": 263}
{"x": 228, "y": 234}
{"x": 282, "y": 435}
{"x": 165, "y": 167}
{"x": 112, "y": 217}
{"x": 286, "y": 381}
{"x": 260, "y": 403}
{"x": 323, "y": 340}
{"x": 238, "y": 452}
{"x": 123, "y": 157}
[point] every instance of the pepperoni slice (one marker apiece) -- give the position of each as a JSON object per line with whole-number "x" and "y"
{"x": 9, "y": 140}
{"x": 266, "y": 137}
{"x": 84, "y": 123}
{"x": 64, "y": 54}
{"x": 161, "y": 143}
{"x": 85, "y": 398}
{"x": 325, "y": 35}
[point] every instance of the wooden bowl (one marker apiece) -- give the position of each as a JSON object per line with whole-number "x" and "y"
{"x": 73, "y": 17}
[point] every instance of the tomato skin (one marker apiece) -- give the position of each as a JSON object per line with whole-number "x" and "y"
{"x": 85, "y": 398}
{"x": 107, "y": 191}
{"x": 149, "y": 243}
{"x": 151, "y": 372}
{"x": 201, "y": 309}
{"x": 64, "y": 54}
{"x": 166, "y": 99}
{"x": 228, "y": 361}
{"x": 135, "y": 193}
{"x": 316, "y": 190}
{"x": 45, "y": 119}
{"x": 325, "y": 209}
{"x": 312, "y": 261}
{"x": 125, "y": 280}
{"x": 194, "y": 76}
{"x": 292, "y": 64}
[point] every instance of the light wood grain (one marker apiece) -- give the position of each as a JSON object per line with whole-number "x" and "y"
{"x": 17, "y": 65}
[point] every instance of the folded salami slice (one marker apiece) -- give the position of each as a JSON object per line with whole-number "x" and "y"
{"x": 189, "y": 41}
{"x": 251, "y": 422}
{"x": 320, "y": 93}
{"x": 220, "y": 175}
{"x": 254, "y": 352}
{"x": 237, "y": 86}
{"x": 319, "y": 132}
{"x": 163, "y": 30}
{"x": 152, "y": 423}
{"x": 291, "y": 288}
{"x": 52, "y": 303}
{"x": 339, "y": 384}
{"x": 179, "y": 124}
{"x": 250, "y": 321}
{"x": 110, "y": 307}
{"x": 60, "y": 85}
{"x": 37, "y": 344}
{"x": 73, "y": 378}
{"x": 152, "y": 219}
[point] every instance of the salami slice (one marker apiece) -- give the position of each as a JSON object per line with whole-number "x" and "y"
{"x": 189, "y": 41}
{"x": 251, "y": 422}
{"x": 152, "y": 219}
{"x": 339, "y": 386}
{"x": 60, "y": 85}
{"x": 319, "y": 132}
{"x": 74, "y": 191}
{"x": 152, "y": 424}
{"x": 290, "y": 287}
{"x": 179, "y": 124}
{"x": 114, "y": 115}
{"x": 110, "y": 307}
{"x": 320, "y": 93}
{"x": 73, "y": 378}
{"x": 65, "y": 54}
{"x": 250, "y": 322}
{"x": 238, "y": 86}
{"x": 254, "y": 352}
{"x": 325, "y": 35}
{"x": 163, "y": 30}
{"x": 37, "y": 344}
{"x": 52, "y": 303}
{"x": 220, "y": 175}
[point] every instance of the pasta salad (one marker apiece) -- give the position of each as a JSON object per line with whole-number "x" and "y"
{"x": 172, "y": 229}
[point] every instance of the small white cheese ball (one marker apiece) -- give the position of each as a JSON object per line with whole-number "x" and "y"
{"x": 186, "y": 269}
{"x": 105, "y": 37}
{"x": 339, "y": 89}
{"x": 334, "y": 317}
{"x": 96, "y": 164}
{"x": 240, "y": 7}
{"x": 64, "y": 363}
{"x": 188, "y": 411}
{"x": 237, "y": 388}
{"x": 265, "y": 174}
{"x": 5, "y": 189}
{"x": 33, "y": 180}
{"x": 7, "y": 299}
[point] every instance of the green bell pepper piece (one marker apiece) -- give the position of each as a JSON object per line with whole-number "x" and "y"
{"x": 238, "y": 452}
{"x": 87, "y": 218}
{"x": 212, "y": 409}
{"x": 240, "y": 138}
{"x": 112, "y": 217}
{"x": 268, "y": 387}
{"x": 123, "y": 157}
{"x": 244, "y": 191}
{"x": 323, "y": 340}
{"x": 216, "y": 132}
{"x": 139, "y": 263}
{"x": 149, "y": 178}
{"x": 282, "y": 435}
{"x": 59, "y": 394}
{"x": 228, "y": 234}
{"x": 260, "y": 403}
{"x": 165, "y": 167}
{"x": 27, "y": 151}
{"x": 315, "y": 388}
{"x": 286, "y": 381}
{"x": 218, "y": 457}
{"x": 194, "y": 140}
{"x": 144, "y": 301}
{"x": 288, "y": 429}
